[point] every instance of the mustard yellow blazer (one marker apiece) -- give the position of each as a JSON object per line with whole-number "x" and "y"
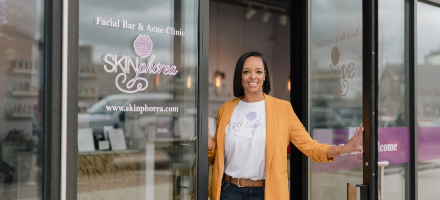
{"x": 283, "y": 126}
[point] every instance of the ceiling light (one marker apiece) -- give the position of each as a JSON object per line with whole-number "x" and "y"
{"x": 283, "y": 19}
{"x": 250, "y": 12}
{"x": 266, "y": 16}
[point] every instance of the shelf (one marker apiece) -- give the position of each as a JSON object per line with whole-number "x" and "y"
{"x": 87, "y": 96}
{"x": 22, "y": 115}
{"x": 87, "y": 75}
{"x": 100, "y": 152}
{"x": 24, "y": 93}
{"x": 24, "y": 71}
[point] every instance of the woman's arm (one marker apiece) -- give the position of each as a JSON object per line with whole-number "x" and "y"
{"x": 302, "y": 140}
{"x": 212, "y": 148}
{"x": 313, "y": 149}
{"x": 210, "y": 141}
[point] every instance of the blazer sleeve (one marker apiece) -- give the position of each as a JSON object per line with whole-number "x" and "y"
{"x": 302, "y": 140}
{"x": 213, "y": 152}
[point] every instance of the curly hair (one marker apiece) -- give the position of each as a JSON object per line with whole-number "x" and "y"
{"x": 237, "y": 84}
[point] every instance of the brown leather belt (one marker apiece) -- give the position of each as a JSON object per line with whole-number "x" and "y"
{"x": 241, "y": 182}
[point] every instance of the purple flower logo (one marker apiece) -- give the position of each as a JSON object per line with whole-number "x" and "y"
{"x": 143, "y": 45}
{"x": 251, "y": 116}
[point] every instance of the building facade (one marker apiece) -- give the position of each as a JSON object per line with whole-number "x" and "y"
{"x": 110, "y": 99}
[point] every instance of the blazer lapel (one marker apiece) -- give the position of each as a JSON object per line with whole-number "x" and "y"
{"x": 226, "y": 116}
{"x": 228, "y": 112}
{"x": 270, "y": 130}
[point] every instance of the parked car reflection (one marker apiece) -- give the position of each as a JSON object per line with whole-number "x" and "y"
{"x": 107, "y": 112}
{"x": 335, "y": 118}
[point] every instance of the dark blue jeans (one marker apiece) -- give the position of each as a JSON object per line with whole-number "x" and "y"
{"x": 233, "y": 192}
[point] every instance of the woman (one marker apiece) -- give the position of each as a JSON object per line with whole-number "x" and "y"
{"x": 253, "y": 131}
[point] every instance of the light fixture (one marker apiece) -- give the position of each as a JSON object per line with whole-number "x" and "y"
{"x": 250, "y": 12}
{"x": 283, "y": 19}
{"x": 157, "y": 79}
{"x": 266, "y": 16}
{"x": 218, "y": 81}
{"x": 188, "y": 82}
{"x": 288, "y": 83}
{"x": 218, "y": 77}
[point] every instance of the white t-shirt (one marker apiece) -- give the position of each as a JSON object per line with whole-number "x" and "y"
{"x": 245, "y": 141}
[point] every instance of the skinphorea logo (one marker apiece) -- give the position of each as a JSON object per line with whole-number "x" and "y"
{"x": 143, "y": 46}
{"x": 246, "y": 128}
{"x": 251, "y": 116}
{"x": 345, "y": 71}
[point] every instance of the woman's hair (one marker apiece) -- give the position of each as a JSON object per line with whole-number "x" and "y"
{"x": 238, "y": 86}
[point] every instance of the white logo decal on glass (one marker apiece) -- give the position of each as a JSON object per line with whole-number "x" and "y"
{"x": 346, "y": 71}
{"x": 143, "y": 46}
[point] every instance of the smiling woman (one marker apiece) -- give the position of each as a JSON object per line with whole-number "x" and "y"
{"x": 252, "y": 70}
{"x": 252, "y": 135}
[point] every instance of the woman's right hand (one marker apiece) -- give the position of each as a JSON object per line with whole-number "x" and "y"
{"x": 210, "y": 142}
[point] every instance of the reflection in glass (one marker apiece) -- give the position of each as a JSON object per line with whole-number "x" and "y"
{"x": 335, "y": 92}
{"x": 136, "y": 98}
{"x": 21, "y": 99}
{"x": 393, "y": 101}
{"x": 428, "y": 100}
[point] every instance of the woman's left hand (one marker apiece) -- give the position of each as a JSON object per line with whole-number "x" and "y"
{"x": 353, "y": 145}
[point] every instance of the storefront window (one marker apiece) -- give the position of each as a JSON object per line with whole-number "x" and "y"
{"x": 335, "y": 92}
{"x": 21, "y": 99}
{"x": 137, "y": 100}
{"x": 428, "y": 100}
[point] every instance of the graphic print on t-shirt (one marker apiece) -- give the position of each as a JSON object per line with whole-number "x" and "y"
{"x": 245, "y": 141}
{"x": 247, "y": 126}
{"x": 251, "y": 116}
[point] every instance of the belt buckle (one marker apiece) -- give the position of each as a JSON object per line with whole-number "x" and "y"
{"x": 238, "y": 182}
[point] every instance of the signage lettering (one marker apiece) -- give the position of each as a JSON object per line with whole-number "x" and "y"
{"x": 124, "y": 24}
{"x": 386, "y": 147}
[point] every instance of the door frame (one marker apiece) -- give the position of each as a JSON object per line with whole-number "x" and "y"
{"x": 299, "y": 94}
{"x": 202, "y": 101}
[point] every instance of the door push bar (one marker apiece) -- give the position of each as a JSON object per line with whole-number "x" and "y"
{"x": 360, "y": 192}
{"x": 381, "y": 165}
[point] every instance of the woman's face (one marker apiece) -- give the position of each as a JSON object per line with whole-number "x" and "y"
{"x": 252, "y": 76}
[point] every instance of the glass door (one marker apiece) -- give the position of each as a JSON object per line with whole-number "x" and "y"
{"x": 335, "y": 92}
{"x": 428, "y": 99}
{"x": 138, "y": 63}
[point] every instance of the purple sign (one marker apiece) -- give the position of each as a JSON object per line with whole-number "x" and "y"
{"x": 428, "y": 143}
{"x": 393, "y": 146}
